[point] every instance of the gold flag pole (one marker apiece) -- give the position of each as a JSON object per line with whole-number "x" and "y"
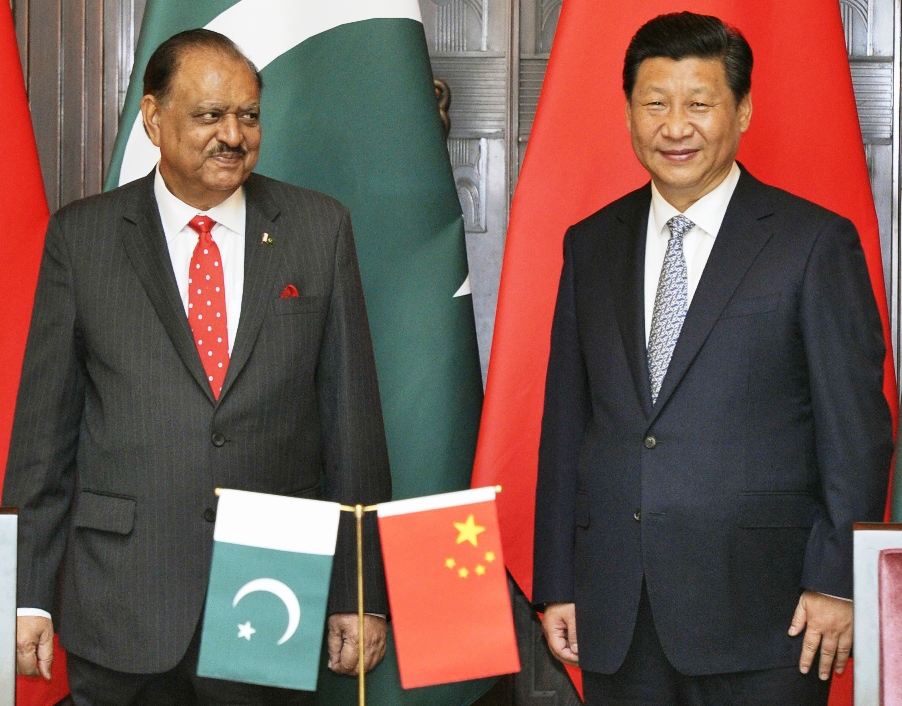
{"x": 358, "y": 513}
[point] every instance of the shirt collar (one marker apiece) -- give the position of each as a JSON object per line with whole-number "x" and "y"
{"x": 175, "y": 213}
{"x": 707, "y": 213}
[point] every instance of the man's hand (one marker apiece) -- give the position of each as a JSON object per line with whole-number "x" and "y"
{"x": 34, "y": 646}
{"x": 344, "y": 654}
{"x": 829, "y": 625}
{"x": 559, "y": 626}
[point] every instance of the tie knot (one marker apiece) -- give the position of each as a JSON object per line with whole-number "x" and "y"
{"x": 680, "y": 225}
{"x": 202, "y": 225}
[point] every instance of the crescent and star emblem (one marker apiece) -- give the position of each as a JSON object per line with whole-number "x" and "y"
{"x": 280, "y": 591}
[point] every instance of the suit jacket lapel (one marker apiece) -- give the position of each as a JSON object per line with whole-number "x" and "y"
{"x": 260, "y": 266}
{"x": 629, "y": 291}
{"x": 742, "y": 236}
{"x": 145, "y": 245}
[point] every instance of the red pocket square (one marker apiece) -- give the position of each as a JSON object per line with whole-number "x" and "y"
{"x": 289, "y": 292}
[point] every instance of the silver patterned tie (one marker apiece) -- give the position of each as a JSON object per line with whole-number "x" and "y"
{"x": 671, "y": 303}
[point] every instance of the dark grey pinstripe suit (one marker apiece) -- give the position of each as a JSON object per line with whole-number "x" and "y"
{"x": 118, "y": 443}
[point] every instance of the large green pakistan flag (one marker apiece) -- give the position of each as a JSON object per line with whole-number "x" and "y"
{"x": 349, "y": 109}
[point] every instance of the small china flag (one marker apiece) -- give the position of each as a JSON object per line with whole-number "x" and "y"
{"x": 447, "y": 587}
{"x": 269, "y": 583}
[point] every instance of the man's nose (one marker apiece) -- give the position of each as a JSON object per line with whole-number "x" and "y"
{"x": 677, "y": 124}
{"x": 229, "y": 131}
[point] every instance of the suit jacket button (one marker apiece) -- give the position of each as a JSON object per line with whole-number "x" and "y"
{"x": 218, "y": 439}
{"x": 210, "y": 514}
{"x": 650, "y": 442}
{"x": 637, "y": 516}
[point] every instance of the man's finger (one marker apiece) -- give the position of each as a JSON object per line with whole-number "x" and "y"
{"x": 809, "y": 650}
{"x": 45, "y": 655}
{"x": 566, "y": 655}
{"x": 26, "y": 662}
{"x": 842, "y": 655}
{"x": 334, "y": 643}
{"x": 374, "y": 638}
{"x": 799, "y": 619}
{"x": 571, "y": 638}
{"x": 828, "y": 654}
{"x": 349, "y": 655}
{"x": 373, "y": 655}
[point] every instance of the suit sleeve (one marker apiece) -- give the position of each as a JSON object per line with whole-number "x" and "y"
{"x": 565, "y": 417}
{"x": 40, "y": 472}
{"x": 845, "y": 350}
{"x": 355, "y": 456}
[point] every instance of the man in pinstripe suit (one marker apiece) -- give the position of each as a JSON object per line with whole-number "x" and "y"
{"x": 120, "y": 438}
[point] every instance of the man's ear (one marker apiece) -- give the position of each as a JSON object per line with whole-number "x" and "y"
{"x": 629, "y": 116}
{"x": 150, "y": 114}
{"x": 745, "y": 112}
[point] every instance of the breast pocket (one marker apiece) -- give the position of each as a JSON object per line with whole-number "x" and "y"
{"x": 747, "y": 306}
{"x": 299, "y": 305}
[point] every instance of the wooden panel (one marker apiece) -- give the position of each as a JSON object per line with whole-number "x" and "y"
{"x": 73, "y": 96}
{"x": 77, "y": 55}
{"x": 41, "y": 30}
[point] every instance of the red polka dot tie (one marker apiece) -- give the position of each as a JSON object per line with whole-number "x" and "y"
{"x": 207, "y": 304}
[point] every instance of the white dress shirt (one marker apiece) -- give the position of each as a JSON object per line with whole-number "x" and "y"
{"x": 707, "y": 213}
{"x": 228, "y": 234}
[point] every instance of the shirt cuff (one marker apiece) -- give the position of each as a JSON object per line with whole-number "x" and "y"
{"x": 839, "y": 598}
{"x": 36, "y": 612}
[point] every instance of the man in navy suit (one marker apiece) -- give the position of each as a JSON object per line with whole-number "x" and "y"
{"x": 714, "y": 418}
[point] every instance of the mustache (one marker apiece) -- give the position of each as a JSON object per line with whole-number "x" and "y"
{"x": 223, "y": 148}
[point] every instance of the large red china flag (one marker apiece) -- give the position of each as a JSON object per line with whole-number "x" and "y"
{"x": 804, "y": 137}
{"x": 23, "y": 218}
{"x": 447, "y": 588}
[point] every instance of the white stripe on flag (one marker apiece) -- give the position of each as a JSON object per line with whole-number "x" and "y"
{"x": 277, "y": 522}
{"x": 435, "y": 502}
{"x": 266, "y": 29}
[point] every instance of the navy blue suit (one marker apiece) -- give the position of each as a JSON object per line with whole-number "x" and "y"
{"x": 737, "y": 490}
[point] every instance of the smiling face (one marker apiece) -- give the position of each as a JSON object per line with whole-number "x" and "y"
{"x": 685, "y": 125}
{"x": 207, "y": 127}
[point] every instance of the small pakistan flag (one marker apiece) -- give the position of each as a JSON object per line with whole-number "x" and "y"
{"x": 269, "y": 582}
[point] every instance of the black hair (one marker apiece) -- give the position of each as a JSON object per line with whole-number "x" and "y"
{"x": 165, "y": 60}
{"x": 681, "y": 35}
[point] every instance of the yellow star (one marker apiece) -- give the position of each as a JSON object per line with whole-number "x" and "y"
{"x": 480, "y": 570}
{"x": 450, "y": 563}
{"x": 469, "y": 530}
{"x": 490, "y": 556}
{"x": 463, "y": 573}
